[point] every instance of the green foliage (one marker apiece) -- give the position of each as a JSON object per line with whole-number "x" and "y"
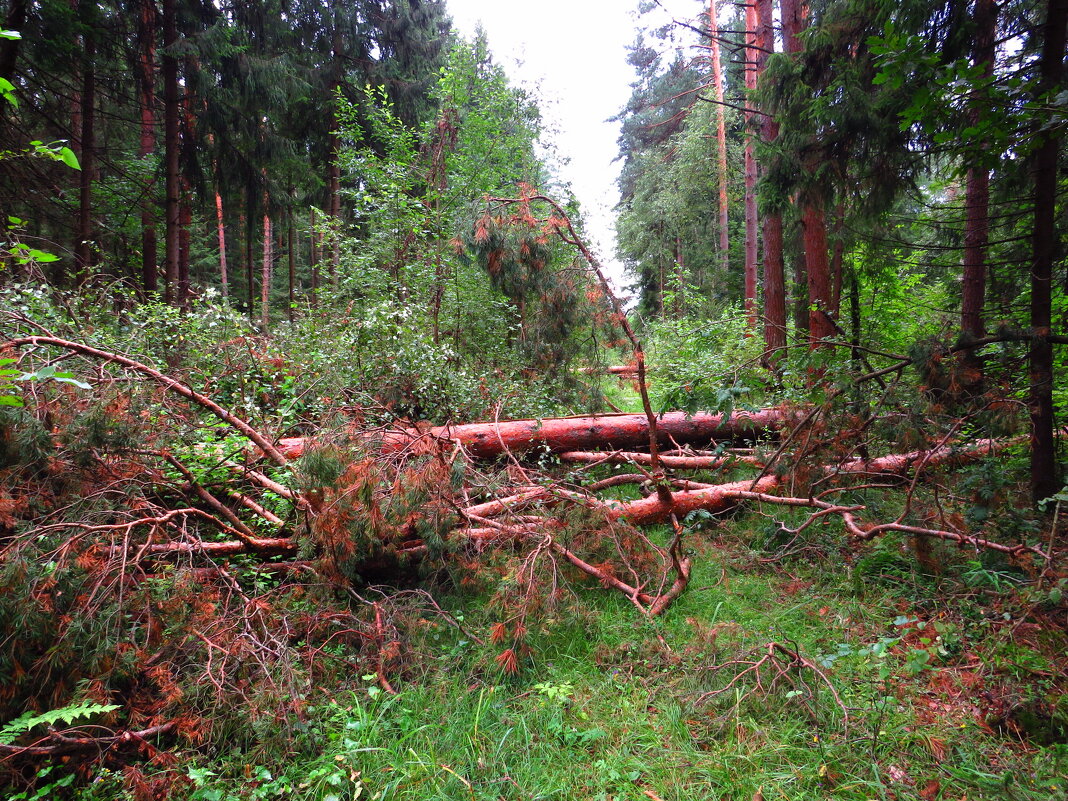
{"x": 706, "y": 363}
{"x": 67, "y": 715}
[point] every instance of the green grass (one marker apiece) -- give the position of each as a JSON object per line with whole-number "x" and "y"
{"x": 614, "y": 706}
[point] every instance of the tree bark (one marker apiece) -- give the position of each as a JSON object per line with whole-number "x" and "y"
{"x": 774, "y": 267}
{"x": 751, "y": 235}
{"x": 977, "y": 186}
{"x": 171, "y": 144}
{"x": 624, "y": 431}
{"x": 220, "y": 221}
{"x": 1044, "y": 479}
{"x": 820, "y": 325}
{"x": 265, "y": 273}
{"x": 146, "y": 70}
{"x": 9, "y": 48}
{"x": 721, "y": 137}
{"x": 84, "y": 233}
{"x": 290, "y": 240}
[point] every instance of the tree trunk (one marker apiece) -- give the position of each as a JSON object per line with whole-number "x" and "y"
{"x": 290, "y": 240}
{"x": 220, "y": 221}
{"x": 751, "y": 234}
{"x": 977, "y": 188}
{"x": 612, "y": 431}
{"x": 721, "y": 137}
{"x": 794, "y": 16}
{"x": 146, "y": 60}
{"x": 314, "y": 257}
{"x": 265, "y": 273}
{"x": 817, "y": 269}
{"x": 250, "y": 289}
{"x": 774, "y": 268}
{"x": 84, "y": 233}
{"x": 1044, "y": 480}
{"x": 171, "y": 144}
{"x": 9, "y": 48}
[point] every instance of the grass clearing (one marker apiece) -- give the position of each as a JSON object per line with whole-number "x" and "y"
{"x": 935, "y": 675}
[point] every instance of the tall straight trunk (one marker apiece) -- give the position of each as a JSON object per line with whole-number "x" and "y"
{"x": 9, "y": 48}
{"x": 84, "y": 234}
{"x": 977, "y": 188}
{"x": 680, "y": 274}
{"x": 250, "y": 282}
{"x": 774, "y": 268}
{"x": 290, "y": 240}
{"x": 334, "y": 175}
{"x": 314, "y": 256}
{"x": 146, "y": 73}
{"x": 185, "y": 224}
{"x": 817, "y": 273}
{"x": 185, "y": 214}
{"x": 721, "y": 136}
{"x": 220, "y": 220}
{"x": 751, "y": 235}
{"x": 1044, "y": 482}
{"x": 794, "y": 15}
{"x": 837, "y": 261}
{"x": 171, "y": 145}
{"x": 265, "y": 273}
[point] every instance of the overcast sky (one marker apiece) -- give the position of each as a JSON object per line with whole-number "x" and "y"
{"x": 574, "y": 53}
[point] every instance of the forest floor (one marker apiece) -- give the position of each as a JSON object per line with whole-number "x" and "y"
{"x": 890, "y": 684}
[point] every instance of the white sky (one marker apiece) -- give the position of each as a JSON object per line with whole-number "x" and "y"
{"x": 574, "y": 53}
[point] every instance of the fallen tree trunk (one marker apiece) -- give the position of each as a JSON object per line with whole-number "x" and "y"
{"x": 676, "y": 462}
{"x": 487, "y": 440}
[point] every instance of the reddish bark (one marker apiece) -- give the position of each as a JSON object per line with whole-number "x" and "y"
{"x": 750, "y": 172}
{"x": 1044, "y": 480}
{"x": 146, "y": 93}
{"x": 84, "y": 233}
{"x": 721, "y": 135}
{"x": 817, "y": 273}
{"x": 977, "y": 186}
{"x": 487, "y": 440}
{"x": 171, "y": 144}
{"x": 774, "y": 268}
{"x": 220, "y": 222}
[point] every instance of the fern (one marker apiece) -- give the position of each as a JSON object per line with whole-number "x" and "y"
{"x": 65, "y": 715}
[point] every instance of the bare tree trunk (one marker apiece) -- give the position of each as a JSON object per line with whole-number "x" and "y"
{"x": 220, "y": 219}
{"x": 751, "y": 235}
{"x": 721, "y": 137}
{"x": 774, "y": 268}
{"x": 146, "y": 59}
{"x": 1044, "y": 480}
{"x": 680, "y": 274}
{"x": 794, "y": 15}
{"x": 171, "y": 144}
{"x": 817, "y": 272}
{"x": 977, "y": 189}
{"x": 314, "y": 258}
{"x": 837, "y": 261}
{"x": 9, "y": 48}
{"x": 250, "y": 289}
{"x": 84, "y": 233}
{"x": 290, "y": 238}
{"x": 265, "y": 274}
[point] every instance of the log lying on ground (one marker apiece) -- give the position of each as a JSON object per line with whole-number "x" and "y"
{"x": 672, "y": 461}
{"x": 487, "y": 440}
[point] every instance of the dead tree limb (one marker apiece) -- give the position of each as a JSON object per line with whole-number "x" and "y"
{"x": 164, "y": 380}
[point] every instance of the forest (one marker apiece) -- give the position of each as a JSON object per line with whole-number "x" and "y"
{"x": 337, "y": 463}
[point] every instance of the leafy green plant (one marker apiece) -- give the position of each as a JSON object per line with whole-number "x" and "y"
{"x": 66, "y": 715}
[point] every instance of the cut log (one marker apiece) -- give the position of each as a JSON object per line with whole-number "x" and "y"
{"x": 676, "y": 462}
{"x": 624, "y": 431}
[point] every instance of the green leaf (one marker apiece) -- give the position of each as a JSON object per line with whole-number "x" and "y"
{"x": 10, "y": 400}
{"x": 10, "y": 35}
{"x": 66, "y": 155}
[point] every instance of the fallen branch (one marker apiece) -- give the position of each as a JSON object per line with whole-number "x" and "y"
{"x": 172, "y": 384}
